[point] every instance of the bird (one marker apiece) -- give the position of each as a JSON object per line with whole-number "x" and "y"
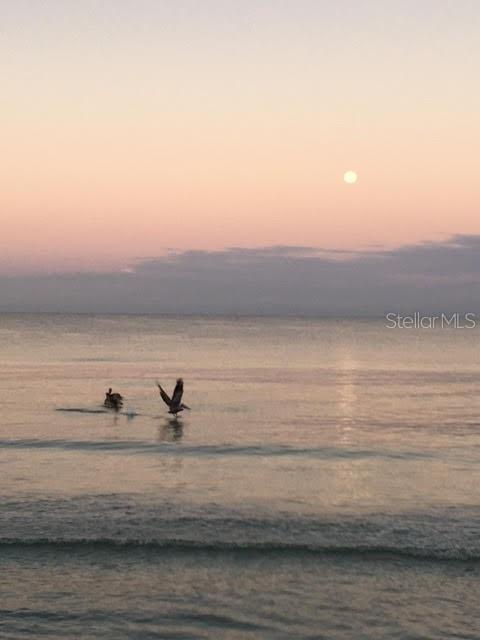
{"x": 113, "y": 400}
{"x": 175, "y": 404}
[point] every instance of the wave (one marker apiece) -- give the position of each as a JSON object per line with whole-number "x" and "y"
{"x": 96, "y": 411}
{"x": 79, "y": 410}
{"x": 213, "y": 547}
{"x": 113, "y": 522}
{"x": 139, "y": 447}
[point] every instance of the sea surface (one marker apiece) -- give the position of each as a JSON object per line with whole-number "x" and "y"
{"x": 325, "y": 484}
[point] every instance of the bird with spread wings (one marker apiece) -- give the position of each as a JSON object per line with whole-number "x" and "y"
{"x": 175, "y": 404}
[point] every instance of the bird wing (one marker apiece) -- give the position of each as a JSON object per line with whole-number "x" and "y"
{"x": 164, "y": 395}
{"x": 177, "y": 393}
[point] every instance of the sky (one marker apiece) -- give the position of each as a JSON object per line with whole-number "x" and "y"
{"x": 140, "y": 132}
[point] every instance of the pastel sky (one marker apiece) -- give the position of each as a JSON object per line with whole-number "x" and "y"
{"x": 129, "y": 127}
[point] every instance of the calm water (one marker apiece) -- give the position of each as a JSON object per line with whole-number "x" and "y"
{"x": 325, "y": 484}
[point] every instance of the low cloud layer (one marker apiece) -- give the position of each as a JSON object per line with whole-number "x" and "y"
{"x": 432, "y": 277}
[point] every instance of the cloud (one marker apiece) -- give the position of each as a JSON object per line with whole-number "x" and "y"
{"x": 430, "y": 277}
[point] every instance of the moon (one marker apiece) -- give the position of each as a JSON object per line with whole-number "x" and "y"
{"x": 350, "y": 177}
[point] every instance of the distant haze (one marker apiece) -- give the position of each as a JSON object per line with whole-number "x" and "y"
{"x": 284, "y": 280}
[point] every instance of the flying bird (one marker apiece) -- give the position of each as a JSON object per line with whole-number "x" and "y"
{"x": 113, "y": 400}
{"x": 175, "y": 404}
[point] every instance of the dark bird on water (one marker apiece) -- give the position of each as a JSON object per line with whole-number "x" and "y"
{"x": 175, "y": 404}
{"x": 113, "y": 400}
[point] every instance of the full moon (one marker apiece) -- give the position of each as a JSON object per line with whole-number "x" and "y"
{"x": 350, "y": 177}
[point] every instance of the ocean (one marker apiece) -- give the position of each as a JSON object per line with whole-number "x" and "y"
{"x": 325, "y": 483}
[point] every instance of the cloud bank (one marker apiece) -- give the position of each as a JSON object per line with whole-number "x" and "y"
{"x": 432, "y": 277}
